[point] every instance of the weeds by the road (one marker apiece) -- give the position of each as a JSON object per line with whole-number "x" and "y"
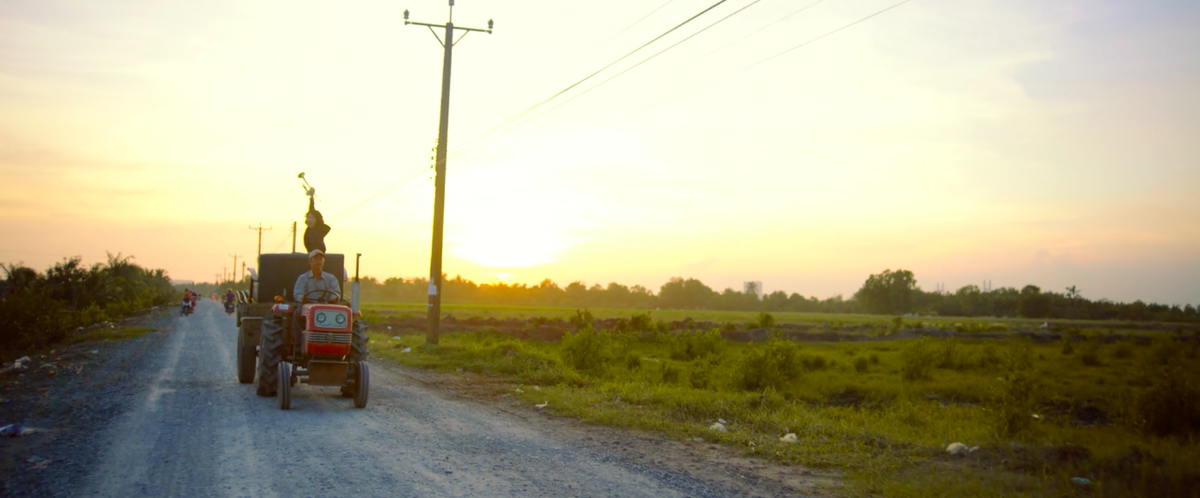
{"x": 881, "y": 413}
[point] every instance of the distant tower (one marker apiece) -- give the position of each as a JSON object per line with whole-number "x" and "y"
{"x": 754, "y": 287}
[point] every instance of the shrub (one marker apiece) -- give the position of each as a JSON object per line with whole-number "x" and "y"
{"x": 814, "y": 363}
{"x": 1016, "y": 397}
{"x": 773, "y": 365}
{"x": 701, "y": 376}
{"x": 640, "y": 323}
{"x": 1171, "y": 405}
{"x": 1091, "y": 354}
{"x": 765, "y": 321}
{"x": 917, "y": 360}
{"x": 1162, "y": 350}
{"x": 670, "y": 374}
{"x": 949, "y": 355}
{"x": 861, "y": 365}
{"x": 633, "y": 362}
{"x": 588, "y": 349}
{"x": 874, "y": 359}
{"x": 582, "y": 319}
{"x": 689, "y": 345}
{"x": 1067, "y": 348}
{"x": 1123, "y": 351}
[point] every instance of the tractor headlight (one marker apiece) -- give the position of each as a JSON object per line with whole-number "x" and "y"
{"x": 340, "y": 319}
{"x": 322, "y": 317}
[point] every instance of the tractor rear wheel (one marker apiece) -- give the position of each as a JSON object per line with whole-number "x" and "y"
{"x": 270, "y": 354}
{"x": 285, "y": 385}
{"x": 362, "y": 381}
{"x": 246, "y": 356}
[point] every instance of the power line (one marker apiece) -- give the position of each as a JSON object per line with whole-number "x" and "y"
{"x": 569, "y": 64}
{"x": 727, "y": 75}
{"x": 385, "y": 191}
{"x": 534, "y": 107}
{"x": 752, "y": 33}
{"x": 760, "y": 62}
{"x": 469, "y": 148}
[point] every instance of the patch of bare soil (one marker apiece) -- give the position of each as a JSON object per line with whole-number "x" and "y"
{"x": 721, "y": 466}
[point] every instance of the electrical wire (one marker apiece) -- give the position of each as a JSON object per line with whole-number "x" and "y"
{"x": 752, "y": 33}
{"x": 468, "y": 149}
{"x": 534, "y": 107}
{"x": 385, "y": 192}
{"x": 765, "y": 60}
{"x": 567, "y": 65}
{"x": 810, "y": 41}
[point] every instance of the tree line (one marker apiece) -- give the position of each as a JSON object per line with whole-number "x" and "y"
{"x": 889, "y": 292}
{"x": 43, "y": 308}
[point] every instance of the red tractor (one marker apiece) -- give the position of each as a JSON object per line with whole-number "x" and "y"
{"x": 311, "y": 343}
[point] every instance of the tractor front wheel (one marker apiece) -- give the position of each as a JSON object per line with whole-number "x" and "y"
{"x": 362, "y": 381}
{"x": 285, "y": 385}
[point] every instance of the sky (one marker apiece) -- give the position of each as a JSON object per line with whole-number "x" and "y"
{"x": 1010, "y": 141}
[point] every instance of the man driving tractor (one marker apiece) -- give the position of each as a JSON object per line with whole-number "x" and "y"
{"x": 317, "y": 285}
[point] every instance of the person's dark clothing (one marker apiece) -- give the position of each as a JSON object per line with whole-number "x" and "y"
{"x": 314, "y": 237}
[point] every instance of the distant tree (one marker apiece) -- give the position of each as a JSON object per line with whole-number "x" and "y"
{"x": 1033, "y": 304}
{"x": 684, "y": 294}
{"x": 888, "y": 292}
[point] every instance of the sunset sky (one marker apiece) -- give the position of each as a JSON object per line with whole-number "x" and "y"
{"x": 1016, "y": 141}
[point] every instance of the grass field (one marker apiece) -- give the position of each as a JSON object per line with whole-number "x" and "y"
{"x": 1124, "y": 414}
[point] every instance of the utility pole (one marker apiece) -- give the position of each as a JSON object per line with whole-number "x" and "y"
{"x": 260, "y": 231}
{"x": 439, "y": 198}
{"x": 243, "y": 271}
{"x": 233, "y": 271}
{"x": 293, "y": 236}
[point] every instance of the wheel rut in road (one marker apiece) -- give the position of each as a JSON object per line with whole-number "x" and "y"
{"x": 197, "y": 432}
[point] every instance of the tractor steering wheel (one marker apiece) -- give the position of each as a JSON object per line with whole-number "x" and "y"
{"x": 336, "y": 295}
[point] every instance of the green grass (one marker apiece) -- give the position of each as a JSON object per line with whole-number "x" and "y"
{"x": 854, "y": 406}
{"x": 874, "y": 324}
{"x": 103, "y": 334}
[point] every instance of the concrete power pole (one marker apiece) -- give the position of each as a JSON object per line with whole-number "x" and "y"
{"x": 260, "y": 231}
{"x": 233, "y": 272}
{"x": 293, "y": 236}
{"x": 439, "y": 198}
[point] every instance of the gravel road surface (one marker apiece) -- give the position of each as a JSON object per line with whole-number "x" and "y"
{"x": 192, "y": 430}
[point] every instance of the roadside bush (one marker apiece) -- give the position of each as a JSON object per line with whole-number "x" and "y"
{"x": 1091, "y": 354}
{"x": 1015, "y": 398}
{"x": 917, "y": 360}
{"x": 1162, "y": 350}
{"x": 31, "y": 320}
{"x": 862, "y": 365}
{"x": 582, "y": 318}
{"x": 670, "y": 374}
{"x": 1066, "y": 345}
{"x": 588, "y": 350}
{"x": 689, "y": 345}
{"x": 641, "y": 323}
{"x": 633, "y": 363}
{"x": 1123, "y": 351}
{"x": 701, "y": 376}
{"x": 1171, "y": 405}
{"x": 765, "y": 321}
{"x": 774, "y": 365}
{"x": 814, "y": 363}
{"x": 950, "y": 355}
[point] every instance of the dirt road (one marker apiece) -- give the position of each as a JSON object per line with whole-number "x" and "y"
{"x": 192, "y": 430}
